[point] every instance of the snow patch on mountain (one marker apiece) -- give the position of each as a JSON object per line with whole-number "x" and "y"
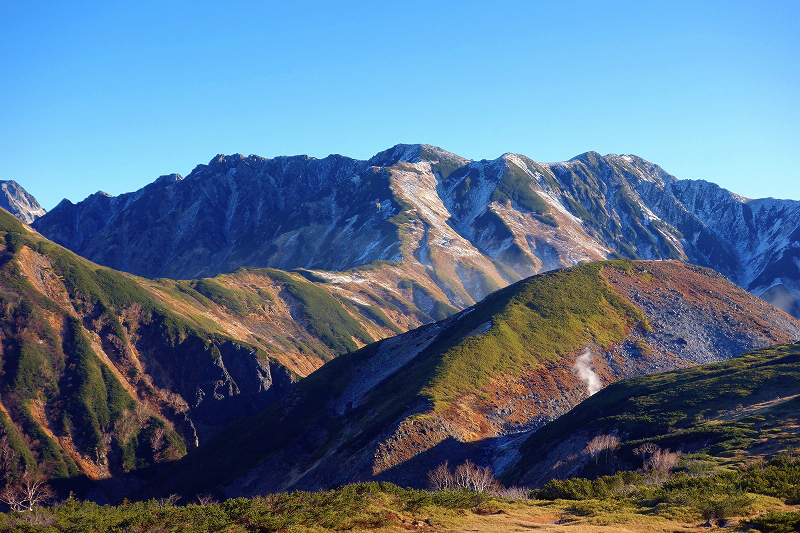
{"x": 233, "y": 200}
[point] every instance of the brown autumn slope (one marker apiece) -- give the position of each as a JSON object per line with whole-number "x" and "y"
{"x": 476, "y": 384}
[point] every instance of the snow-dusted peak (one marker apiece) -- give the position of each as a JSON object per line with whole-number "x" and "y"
{"x": 739, "y": 198}
{"x": 519, "y": 160}
{"x": 653, "y": 171}
{"x": 408, "y": 153}
{"x": 227, "y": 159}
{"x": 514, "y": 157}
{"x": 771, "y": 203}
{"x": 415, "y": 153}
{"x": 429, "y": 152}
{"x": 708, "y": 190}
{"x": 590, "y": 158}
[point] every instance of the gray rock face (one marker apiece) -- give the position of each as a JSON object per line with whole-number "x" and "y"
{"x": 234, "y": 385}
{"x": 471, "y": 226}
{"x": 19, "y": 202}
{"x": 285, "y": 212}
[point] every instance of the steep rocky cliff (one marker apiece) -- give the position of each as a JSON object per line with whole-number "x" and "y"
{"x": 18, "y": 202}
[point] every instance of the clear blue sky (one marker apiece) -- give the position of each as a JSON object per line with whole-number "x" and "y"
{"x": 106, "y": 96}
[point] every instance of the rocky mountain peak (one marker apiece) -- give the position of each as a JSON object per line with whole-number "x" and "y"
{"x": 166, "y": 179}
{"x": 19, "y": 202}
{"x": 415, "y": 153}
{"x": 591, "y": 157}
{"x": 408, "y": 153}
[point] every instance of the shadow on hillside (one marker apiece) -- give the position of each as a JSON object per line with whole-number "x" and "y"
{"x": 109, "y": 490}
{"x": 414, "y": 472}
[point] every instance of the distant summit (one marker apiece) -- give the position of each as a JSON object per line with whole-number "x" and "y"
{"x": 414, "y": 153}
{"x": 19, "y": 202}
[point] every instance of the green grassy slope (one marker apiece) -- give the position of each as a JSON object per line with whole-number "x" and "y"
{"x": 731, "y": 411}
{"x": 322, "y": 314}
{"x": 371, "y": 413}
{"x": 537, "y": 320}
{"x": 323, "y": 321}
{"x": 53, "y": 385}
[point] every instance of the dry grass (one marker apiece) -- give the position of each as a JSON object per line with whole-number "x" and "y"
{"x": 559, "y": 516}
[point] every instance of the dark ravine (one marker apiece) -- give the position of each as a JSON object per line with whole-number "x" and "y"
{"x": 475, "y": 385}
{"x": 466, "y": 227}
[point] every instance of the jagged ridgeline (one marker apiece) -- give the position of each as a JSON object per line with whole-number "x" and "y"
{"x": 459, "y": 229}
{"x": 732, "y": 411}
{"x": 472, "y": 386}
{"x": 104, "y": 373}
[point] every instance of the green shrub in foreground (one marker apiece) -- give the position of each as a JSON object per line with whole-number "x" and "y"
{"x": 363, "y": 506}
{"x": 780, "y": 477}
{"x": 622, "y": 483}
{"x": 367, "y": 506}
{"x": 776, "y": 522}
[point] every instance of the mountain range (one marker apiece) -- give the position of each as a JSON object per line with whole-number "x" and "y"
{"x": 369, "y": 319}
{"x": 460, "y": 228}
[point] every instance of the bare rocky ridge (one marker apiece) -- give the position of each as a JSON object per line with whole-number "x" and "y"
{"x": 460, "y": 228}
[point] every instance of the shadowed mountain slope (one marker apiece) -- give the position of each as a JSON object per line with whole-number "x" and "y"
{"x": 460, "y": 228}
{"x": 475, "y": 384}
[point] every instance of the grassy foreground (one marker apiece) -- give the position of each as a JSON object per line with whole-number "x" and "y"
{"x": 764, "y": 496}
